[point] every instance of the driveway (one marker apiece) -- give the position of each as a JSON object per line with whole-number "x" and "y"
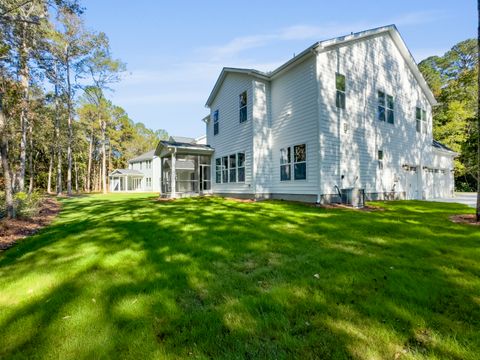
{"x": 469, "y": 199}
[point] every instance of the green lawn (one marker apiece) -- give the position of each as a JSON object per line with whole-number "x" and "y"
{"x": 125, "y": 276}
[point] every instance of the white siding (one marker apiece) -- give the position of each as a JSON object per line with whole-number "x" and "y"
{"x": 294, "y": 122}
{"x": 350, "y": 138}
{"x": 262, "y": 137}
{"x": 233, "y": 136}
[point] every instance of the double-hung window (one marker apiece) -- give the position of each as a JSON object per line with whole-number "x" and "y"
{"x": 230, "y": 168}
{"x": 225, "y": 169}
{"x": 215, "y": 122}
{"x": 300, "y": 162}
{"x": 285, "y": 164}
{"x": 293, "y": 159}
{"x": 421, "y": 120}
{"x": 243, "y": 106}
{"x": 340, "y": 93}
{"x": 218, "y": 170}
{"x": 380, "y": 159}
{"x": 241, "y": 167}
{"x": 386, "y": 108}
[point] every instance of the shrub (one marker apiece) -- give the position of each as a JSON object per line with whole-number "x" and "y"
{"x": 27, "y": 205}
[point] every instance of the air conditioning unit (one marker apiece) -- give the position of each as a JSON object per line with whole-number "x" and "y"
{"x": 353, "y": 197}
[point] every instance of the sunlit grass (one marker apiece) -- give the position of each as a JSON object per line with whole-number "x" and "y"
{"x": 126, "y": 276}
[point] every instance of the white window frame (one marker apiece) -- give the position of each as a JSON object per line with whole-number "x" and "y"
{"x": 216, "y": 125}
{"x": 341, "y": 92}
{"x": 241, "y": 107}
{"x": 219, "y": 170}
{"x": 292, "y": 162}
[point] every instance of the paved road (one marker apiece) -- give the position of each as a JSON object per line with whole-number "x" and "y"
{"x": 469, "y": 199}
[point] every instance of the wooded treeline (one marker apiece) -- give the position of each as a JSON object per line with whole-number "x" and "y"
{"x": 58, "y": 130}
{"x": 453, "y": 78}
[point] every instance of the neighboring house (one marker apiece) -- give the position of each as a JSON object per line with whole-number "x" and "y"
{"x": 353, "y": 111}
{"x": 145, "y": 172}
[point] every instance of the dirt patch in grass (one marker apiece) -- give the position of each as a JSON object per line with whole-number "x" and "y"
{"x": 366, "y": 208}
{"x": 13, "y": 230}
{"x": 465, "y": 219}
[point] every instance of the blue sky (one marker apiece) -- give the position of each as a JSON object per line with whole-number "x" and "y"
{"x": 175, "y": 50}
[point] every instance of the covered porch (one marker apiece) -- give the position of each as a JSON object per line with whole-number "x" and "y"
{"x": 125, "y": 180}
{"x": 185, "y": 169}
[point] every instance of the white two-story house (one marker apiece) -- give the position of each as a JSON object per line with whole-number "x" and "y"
{"x": 350, "y": 112}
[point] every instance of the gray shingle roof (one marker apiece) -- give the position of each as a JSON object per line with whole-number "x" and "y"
{"x": 185, "y": 145}
{"x": 440, "y": 146}
{"x": 145, "y": 156}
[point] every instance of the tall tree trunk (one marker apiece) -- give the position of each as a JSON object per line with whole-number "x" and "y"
{"x": 89, "y": 164}
{"x": 59, "y": 145}
{"x": 10, "y": 207}
{"x": 50, "y": 169}
{"x": 24, "y": 82}
{"x": 30, "y": 159}
{"x": 69, "y": 124}
{"x": 76, "y": 174}
{"x": 478, "y": 113}
{"x": 103, "y": 126}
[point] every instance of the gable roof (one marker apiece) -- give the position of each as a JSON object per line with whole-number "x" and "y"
{"x": 126, "y": 172}
{"x": 145, "y": 156}
{"x": 325, "y": 45}
{"x": 182, "y": 139}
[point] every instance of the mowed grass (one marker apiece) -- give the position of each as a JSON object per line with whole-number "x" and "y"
{"x": 125, "y": 276}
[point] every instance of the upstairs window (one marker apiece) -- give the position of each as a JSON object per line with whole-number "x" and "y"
{"x": 243, "y": 107}
{"x": 390, "y": 110}
{"x": 421, "y": 119}
{"x": 340, "y": 87}
{"x": 386, "y": 108}
{"x": 140, "y": 165}
{"x": 380, "y": 159}
{"x": 215, "y": 122}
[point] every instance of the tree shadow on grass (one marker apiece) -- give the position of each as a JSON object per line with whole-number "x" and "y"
{"x": 212, "y": 278}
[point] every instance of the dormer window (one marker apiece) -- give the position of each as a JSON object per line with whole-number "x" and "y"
{"x": 243, "y": 107}
{"x": 215, "y": 122}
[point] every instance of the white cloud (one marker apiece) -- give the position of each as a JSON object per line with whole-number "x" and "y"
{"x": 239, "y": 45}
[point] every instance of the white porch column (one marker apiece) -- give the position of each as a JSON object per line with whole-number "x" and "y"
{"x": 173, "y": 173}
{"x": 161, "y": 176}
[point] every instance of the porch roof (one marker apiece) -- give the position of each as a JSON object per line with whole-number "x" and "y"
{"x": 126, "y": 172}
{"x": 167, "y": 147}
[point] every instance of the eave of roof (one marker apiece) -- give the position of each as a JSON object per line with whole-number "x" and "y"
{"x": 184, "y": 146}
{"x": 438, "y": 146}
{"x": 325, "y": 45}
